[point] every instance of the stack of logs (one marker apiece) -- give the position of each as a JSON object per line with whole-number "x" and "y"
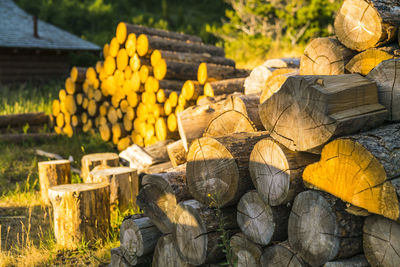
{"x": 136, "y": 92}
{"x": 309, "y": 176}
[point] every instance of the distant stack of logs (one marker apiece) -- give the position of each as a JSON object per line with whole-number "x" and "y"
{"x": 136, "y": 92}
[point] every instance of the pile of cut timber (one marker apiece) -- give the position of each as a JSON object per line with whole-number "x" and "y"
{"x": 135, "y": 94}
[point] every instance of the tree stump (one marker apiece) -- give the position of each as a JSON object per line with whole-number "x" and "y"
{"x": 260, "y": 222}
{"x": 92, "y": 160}
{"x": 51, "y": 173}
{"x": 165, "y": 254}
{"x": 365, "y": 61}
{"x": 276, "y": 171}
{"x": 229, "y": 122}
{"x": 245, "y": 253}
{"x": 81, "y": 213}
{"x": 320, "y": 229}
{"x": 124, "y": 185}
{"x": 310, "y": 110}
{"x": 281, "y": 255}
{"x": 176, "y": 153}
{"x": 360, "y": 24}
{"x": 220, "y": 166}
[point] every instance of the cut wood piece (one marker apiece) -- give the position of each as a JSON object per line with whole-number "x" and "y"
{"x": 165, "y": 254}
{"x": 144, "y": 72}
{"x": 53, "y": 173}
{"x": 275, "y": 82}
{"x": 117, "y": 258}
{"x": 124, "y": 143}
{"x": 325, "y": 56}
{"x": 159, "y": 195}
{"x": 360, "y": 25}
{"x": 78, "y": 74}
{"x": 176, "y": 153}
{"x": 363, "y": 162}
{"x": 276, "y": 171}
{"x": 227, "y": 86}
{"x": 342, "y": 104}
{"x": 281, "y": 255}
{"x": 105, "y": 132}
{"x": 171, "y": 85}
{"x": 190, "y": 129}
{"x": 122, "y": 59}
{"x": 255, "y": 82}
{"x": 282, "y": 63}
{"x": 229, "y": 122}
{"x": 246, "y": 104}
{"x": 388, "y": 81}
{"x": 55, "y": 108}
{"x": 219, "y": 167}
{"x": 211, "y": 72}
{"x": 260, "y": 222}
{"x": 81, "y": 213}
{"x": 365, "y": 61}
{"x": 124, "y": 185}
{"x": 191, "y": 90}
{"x": 70, "y": 104}
{"x": 356, "y": 261}
{"x": 146, "y": 44}
{"x": 381, "y": 241}
{"x": 138, "y": 237}
{"x": 245, "y": 253}
{"x": 90, "y": 161}
{"x": 15, "y": 120}
{"x": 162, "y": 131}
{"x": 166, "y": 69}
{"x": 197, "y": 232}
{"x": 320, "y": 229}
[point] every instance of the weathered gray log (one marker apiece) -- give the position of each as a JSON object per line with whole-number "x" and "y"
{"x": 14, "y": 120}
{"x": 244, "y": 252}
{"x": 90, "y": 161}
{"x": 281, "y": 255}
{"x": 356, "y": 261}
{"x": 165, "y": 254}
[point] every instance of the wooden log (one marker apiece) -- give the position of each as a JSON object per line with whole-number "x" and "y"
{"x": 260, "y": 222}
{"x": 246, "y": 104}
{"x": 255, "y": 82}
{"x": 124, "y": 185}
{"x": 365, "y": 61}
{"x": 171, "y": 85}
{"x": 146, "y": 44}
{"x": 356, "y": 261}
{"x": 20, "y": 138}
{"x": 138, "y": 237}
{"x": 320, "y": 229}
{"x": 229, "y": 122}
{"x": 245, "y": 253}
{"x": 191, "y": 90}
{"x": 275, "y": 82}
{"x": 165, "y": 254}
{"x": 89, "y": 161}
{"x": 196, "y": 235}
{"x": 190, "y": 129}
{"x": 282, "y": 63}
{"x": 162, "y": 130}
{"x": 78, "y": 74}
{"x": 227, "y": 86}
{"x": 388, "y": 82}
{"x": 117, "y": 258}
{"x": 160, "y": 194}
{"x": 211, "y": 72}
{"x": 189, "y": 58}
{"x": 276, "y": 171}
{"x": 14, "y": 120}
{"x": 280, "y": 255}
{"x": 51, "y": 173}
{"x": 325, "y": 56}
{"x": 366, "y": 161}
{"x": 124, "y": 29}
{"x": 381, "y": 241}
{"x": 219, "y": 166}
{"x": 166, "y": 69}
{"x": 360, "y": 25}
{"x": 176, "y": 153}
{"x": 344, "y": 109}
{"x": 81, "y": 213}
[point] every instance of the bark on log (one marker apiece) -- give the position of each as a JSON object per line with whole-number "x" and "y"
{"x": 360, "y": 24}
{"x": 20, "y": 138}
{"x": 212, "y": 72}
{"x": 190, "y": 129}
{"x": 90, "y": 161}
{"x": 308, "y": 111}
{"x": 78, "y": 74}
{"x": 167, "y": 69}
{"x": 281, "y": 255}
{"x": 117, "y": 258}
{"x": 166, "y": 255}
{"x": 388, "y": 81}
{"x": 15, "y": 120}
{"x": 160, "y": 194}
{"x": 276, "y": 171}
{"x": 81, "y": 213}
{"x": 138, "y": 237}
{"x": 255, "y": 82}
{"x": 220, "y": 167}
{"x": 260, "y": 222}
{"x": 246, "y": 104}
{"x": 196, "y": 233}
{"x": 176, "y": 153}
{"x": 229, "y": 122}
{"x": 381, "y": 241}
{"x": 245, "y": 253}
{"x": 171, "y": 85}
{"x": 124, "y": 185}
{"x": 325, "y": 56}
{"x": 52, "y": 173}
{"x": 320, "y": 229}
{"x": 363, "y": 163}
{"x": 227, "y": 86}
{"x": 356, "y": 261}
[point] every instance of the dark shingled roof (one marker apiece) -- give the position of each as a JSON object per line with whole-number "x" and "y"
{"x": 16, "y": 30}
